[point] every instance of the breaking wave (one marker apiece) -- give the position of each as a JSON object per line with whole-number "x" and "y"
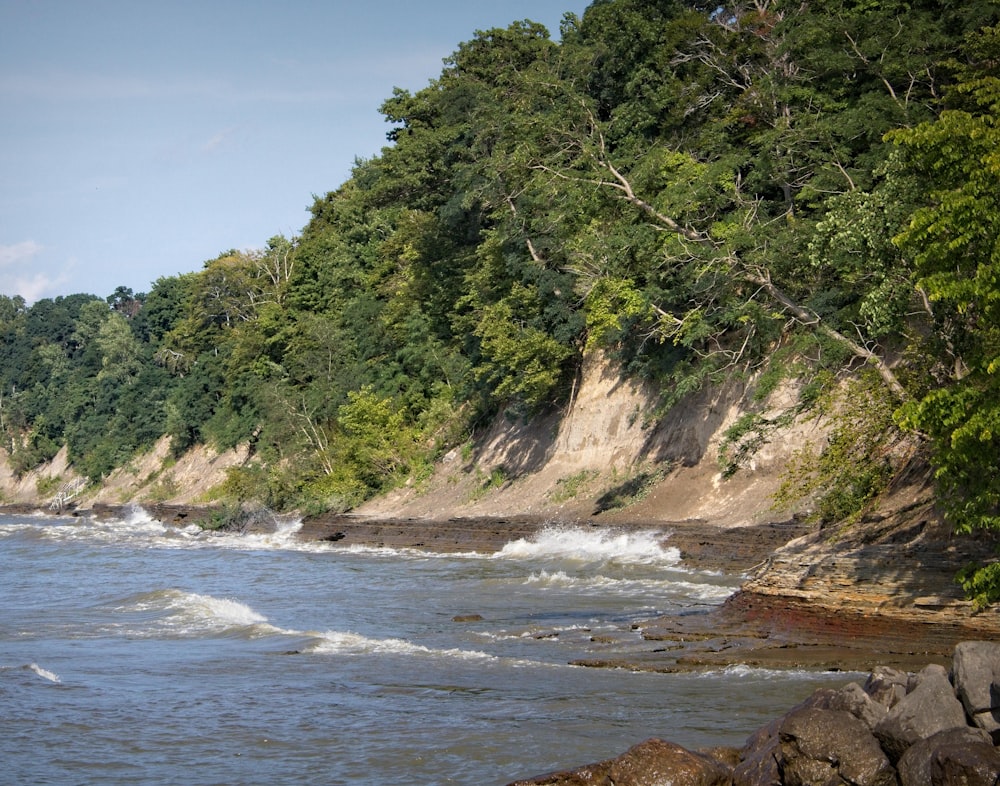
{"x": 578, "y": 544}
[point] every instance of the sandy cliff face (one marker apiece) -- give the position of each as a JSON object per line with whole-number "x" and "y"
{"x": 886, "y": 581}
{"x": 151, "y": 477}
{"x": 608, "y": 443}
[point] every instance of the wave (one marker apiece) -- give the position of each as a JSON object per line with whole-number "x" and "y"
{"x": 578, "y": 544}
{"x": 34, "y": 668}
{"x": 136, "y": 527}
{"x": 45, "y": 674}
{"x": 174, "y": 612}
{"x": 703, "y": 591}
{"x": 740, "y": 671}
{"x": 338, "y": 642}
{"x": 188, "y": 614}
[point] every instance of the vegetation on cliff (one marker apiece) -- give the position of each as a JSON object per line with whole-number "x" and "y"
{"x": 701, "y": 189}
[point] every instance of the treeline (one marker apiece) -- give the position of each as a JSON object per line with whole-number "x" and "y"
{"x": 699, "y": 189}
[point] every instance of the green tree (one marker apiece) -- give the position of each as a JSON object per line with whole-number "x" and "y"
{"x": 954, "y": 242}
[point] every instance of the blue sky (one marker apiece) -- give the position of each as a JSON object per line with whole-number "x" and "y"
{"x": 139, "y": 139}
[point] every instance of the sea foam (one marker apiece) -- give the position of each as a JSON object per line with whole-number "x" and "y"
{"x": 45, "y": 674}
{"x": 356, "y": 644}
{"x": 593, "y": 545}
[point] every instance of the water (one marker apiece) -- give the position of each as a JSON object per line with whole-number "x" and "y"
{"x": 134, "y": 653}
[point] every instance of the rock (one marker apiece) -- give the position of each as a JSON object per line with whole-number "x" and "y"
{"x": 728, "y": 757}
{"x": 966, "y": 765}
{"x": 761, "y": 759}
{"x": 654, "y": 762}
{"x": 916, "y": 765}
{"x": 467, "y": 618}
{"x": 760, "y": 765}
{"x": 657, "y": 762}
{"x": 831, "y": 747}
{"x": 851, "y": 698}
{"x": 929, "y": 708}
{"x": 976, "y": 671}
{"x": 887, "y": 686}
{"x": 591, "y": 775}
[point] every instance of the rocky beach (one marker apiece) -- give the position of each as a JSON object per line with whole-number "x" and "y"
{"x": 926, "y": 728}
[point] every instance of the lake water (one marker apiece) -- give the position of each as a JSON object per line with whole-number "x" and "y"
{"x": 134, "y": 653}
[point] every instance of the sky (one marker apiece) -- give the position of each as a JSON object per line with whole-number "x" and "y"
{"x": 139, "y": 139}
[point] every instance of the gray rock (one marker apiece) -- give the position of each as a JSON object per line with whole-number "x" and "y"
{"x": 852, "y": 698}
{"x": 761, "y": 763}
{"x": 887, "y": 686}
{"x": 929, "y": 708}
{"x": 831, "y": 747}
{"x": 976, "y": 671}
{"x": 966, "y": 765}
{"x": 915, "y": 766}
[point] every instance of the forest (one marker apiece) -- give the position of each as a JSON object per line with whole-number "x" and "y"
{"x": 768, "y": 189}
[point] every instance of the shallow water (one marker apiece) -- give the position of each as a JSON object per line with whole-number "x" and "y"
{"x": 134, "y": 653}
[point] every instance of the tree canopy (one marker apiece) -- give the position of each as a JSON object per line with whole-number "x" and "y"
{"x": 698, "y": 189}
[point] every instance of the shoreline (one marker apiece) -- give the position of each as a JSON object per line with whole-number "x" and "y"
{"x": 754, "y": 628}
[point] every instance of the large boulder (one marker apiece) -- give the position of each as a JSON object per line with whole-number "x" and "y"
{"x": 930, "y": 762}
{"x": 660, "y": 763}
{"x": 976, "y": 672}
{"x": 929, "y": 708}
{"x": 761, "y": 759}
{"x": 831, "y": 747}
{"x": 654, "y": 762}
{"x": 966, "y": 765}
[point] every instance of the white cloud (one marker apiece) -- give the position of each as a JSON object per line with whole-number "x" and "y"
{"x": 18, "y": 253}
{"x": 33, "y": 287}
{"x": 20, "y": 273}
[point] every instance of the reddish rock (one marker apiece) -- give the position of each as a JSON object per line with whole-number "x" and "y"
{"x": 654, "y": 762}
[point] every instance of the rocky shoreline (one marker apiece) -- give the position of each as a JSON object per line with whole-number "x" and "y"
{"x": 847, "y": 614}
{"x": 806, "y": 602}
{"x": 933, "y": 727}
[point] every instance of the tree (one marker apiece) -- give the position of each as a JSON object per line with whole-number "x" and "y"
{"x": 954, "y": 242}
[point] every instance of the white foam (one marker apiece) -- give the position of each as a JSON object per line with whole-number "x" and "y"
{"x": 592, "y": 545}
{"x": 338, "y": 642}
{"x": 560, "y": 579}
{"x": 137, "y": 528}
{"x": 224, "y": 612}
{"x": 744, "y": 671}
{"x": 180, "y": 613}
{"x": 44, "y": 673}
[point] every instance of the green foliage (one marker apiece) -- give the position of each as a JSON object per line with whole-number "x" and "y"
{"x": 981, "y": 584}
{"x": 704, "y": 192}
{"x": 954, "y": 240}
{"x": 855, "y": 463}
{"x": 573, "y": 485}
{"x": 521, "y": 363}
{"x": 614, "y": 306}
{"x": 744, "y": 439}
